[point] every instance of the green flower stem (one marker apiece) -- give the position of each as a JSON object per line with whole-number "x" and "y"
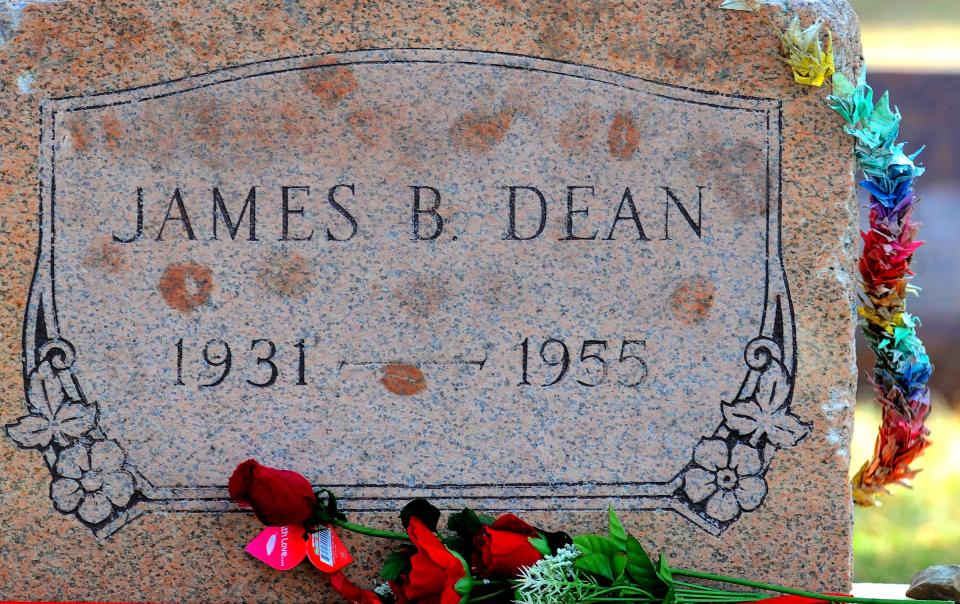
{"x": 793, "y": 592}
{"x": 372, "y": 532}
{"x": 490, "y": 596}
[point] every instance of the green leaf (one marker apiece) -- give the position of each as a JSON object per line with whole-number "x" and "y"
{"x": 465, "y": 523}
{"x": 486, "y": 519}
{"x": 595, "y": 564}
{"x": 556, "y": 539}
{"x": 540, "y": 544}
{"x": 616, "y": 531}
{"x": 464, "y": 586}
{"x": 327, "y": 509}
{"x": 639, "y": 564}
{"x": 663, "y": 570}
{"x": 642, "y": 570}
{"x": 396, "y": 564}
{"x": 595, "y": 544}
{"x": 618, "y": 564}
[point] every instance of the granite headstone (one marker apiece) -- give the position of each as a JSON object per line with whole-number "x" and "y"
{"x": 525, "y": 256}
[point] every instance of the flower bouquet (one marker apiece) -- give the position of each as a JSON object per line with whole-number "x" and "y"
{"x": 479, "y": 558}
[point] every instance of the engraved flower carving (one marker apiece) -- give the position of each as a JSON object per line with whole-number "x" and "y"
{"x": 766, "y": 412}
{"x": 727, "y": 478}
{"x": 92, "y": 481}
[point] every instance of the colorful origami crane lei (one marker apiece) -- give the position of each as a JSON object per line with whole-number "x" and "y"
{"x": 902, "y": 367}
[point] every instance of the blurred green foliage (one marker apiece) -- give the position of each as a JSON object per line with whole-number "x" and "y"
{"x": 914, "y": 528}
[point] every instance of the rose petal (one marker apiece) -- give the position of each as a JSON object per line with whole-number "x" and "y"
{"x": 712, "y": 454}
{"x": 723, "y": 506}
{"x": 73, "y": 462}
{"x": 66, "y": 494}
{"x": 95, "y": 508}
{"x": 106, "y": 456}
{"x": 118, "y": 487}
{"x": 699, "y": 484}
{"x": 745, "y": 460}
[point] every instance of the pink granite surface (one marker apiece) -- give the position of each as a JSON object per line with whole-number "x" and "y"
{"x": 312, "y": 94}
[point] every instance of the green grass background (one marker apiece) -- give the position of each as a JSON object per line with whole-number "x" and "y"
{"x": 917, "y": 527}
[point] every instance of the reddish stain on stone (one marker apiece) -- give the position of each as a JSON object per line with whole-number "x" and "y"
{"x": 680, "y": 58}
{"x": 576, "y": 133}
{"x": 422, "y": 296}
{"x": 364, "y": 125}
{"x": 208, "y": 122}
{"x": 79, "y": 132}
{"x": 480, "y": 132}
{"x": 558, "y": 39}
{"x": 331, "y": 84}
{"x": 186, "y": 285}
{"x": 106, "y": 256}
{"x": 112, "y": 131}
{"x": 732, "y": 165}
{"x": 288, "y": 275}
{"x": 623, "y": 137}
{"x": 405, "y": 380}
{"x": 692, "y": 300}
{"x": 291, "y": 119}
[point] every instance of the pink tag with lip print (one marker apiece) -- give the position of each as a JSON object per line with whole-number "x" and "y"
{"x": 281, "y": 547}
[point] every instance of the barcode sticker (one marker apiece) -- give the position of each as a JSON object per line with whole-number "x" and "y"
{"x": 323, "y": 541}
{"x": 327, "y": 552}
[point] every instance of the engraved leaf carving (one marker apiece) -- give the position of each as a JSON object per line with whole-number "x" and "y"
{"x": 31, "y": 431}
{"x": 773, "y": 387}
{"x": 44, "y": 393}
{"x": 782, "y": 428}
{"x": 69, "y": 422}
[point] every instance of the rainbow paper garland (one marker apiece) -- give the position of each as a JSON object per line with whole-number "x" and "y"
{"x": 902, "y": 367}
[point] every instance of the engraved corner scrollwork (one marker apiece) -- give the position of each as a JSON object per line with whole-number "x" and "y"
{"x": 90, "y": 477}
{"x": 727, "y": 475}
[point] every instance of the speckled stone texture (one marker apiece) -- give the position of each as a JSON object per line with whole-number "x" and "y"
{"x": 696, "y": 234}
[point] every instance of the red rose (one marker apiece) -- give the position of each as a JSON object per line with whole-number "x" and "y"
{"x": 434, "y": 571}
{"x": 278, "y": 497}
{"x": 504, "y": 547}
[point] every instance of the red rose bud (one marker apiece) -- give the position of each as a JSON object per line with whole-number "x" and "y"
{"x": 278, "y": 497}
{"x": 434, "y": 570}
{"x": 504, "y": 547}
